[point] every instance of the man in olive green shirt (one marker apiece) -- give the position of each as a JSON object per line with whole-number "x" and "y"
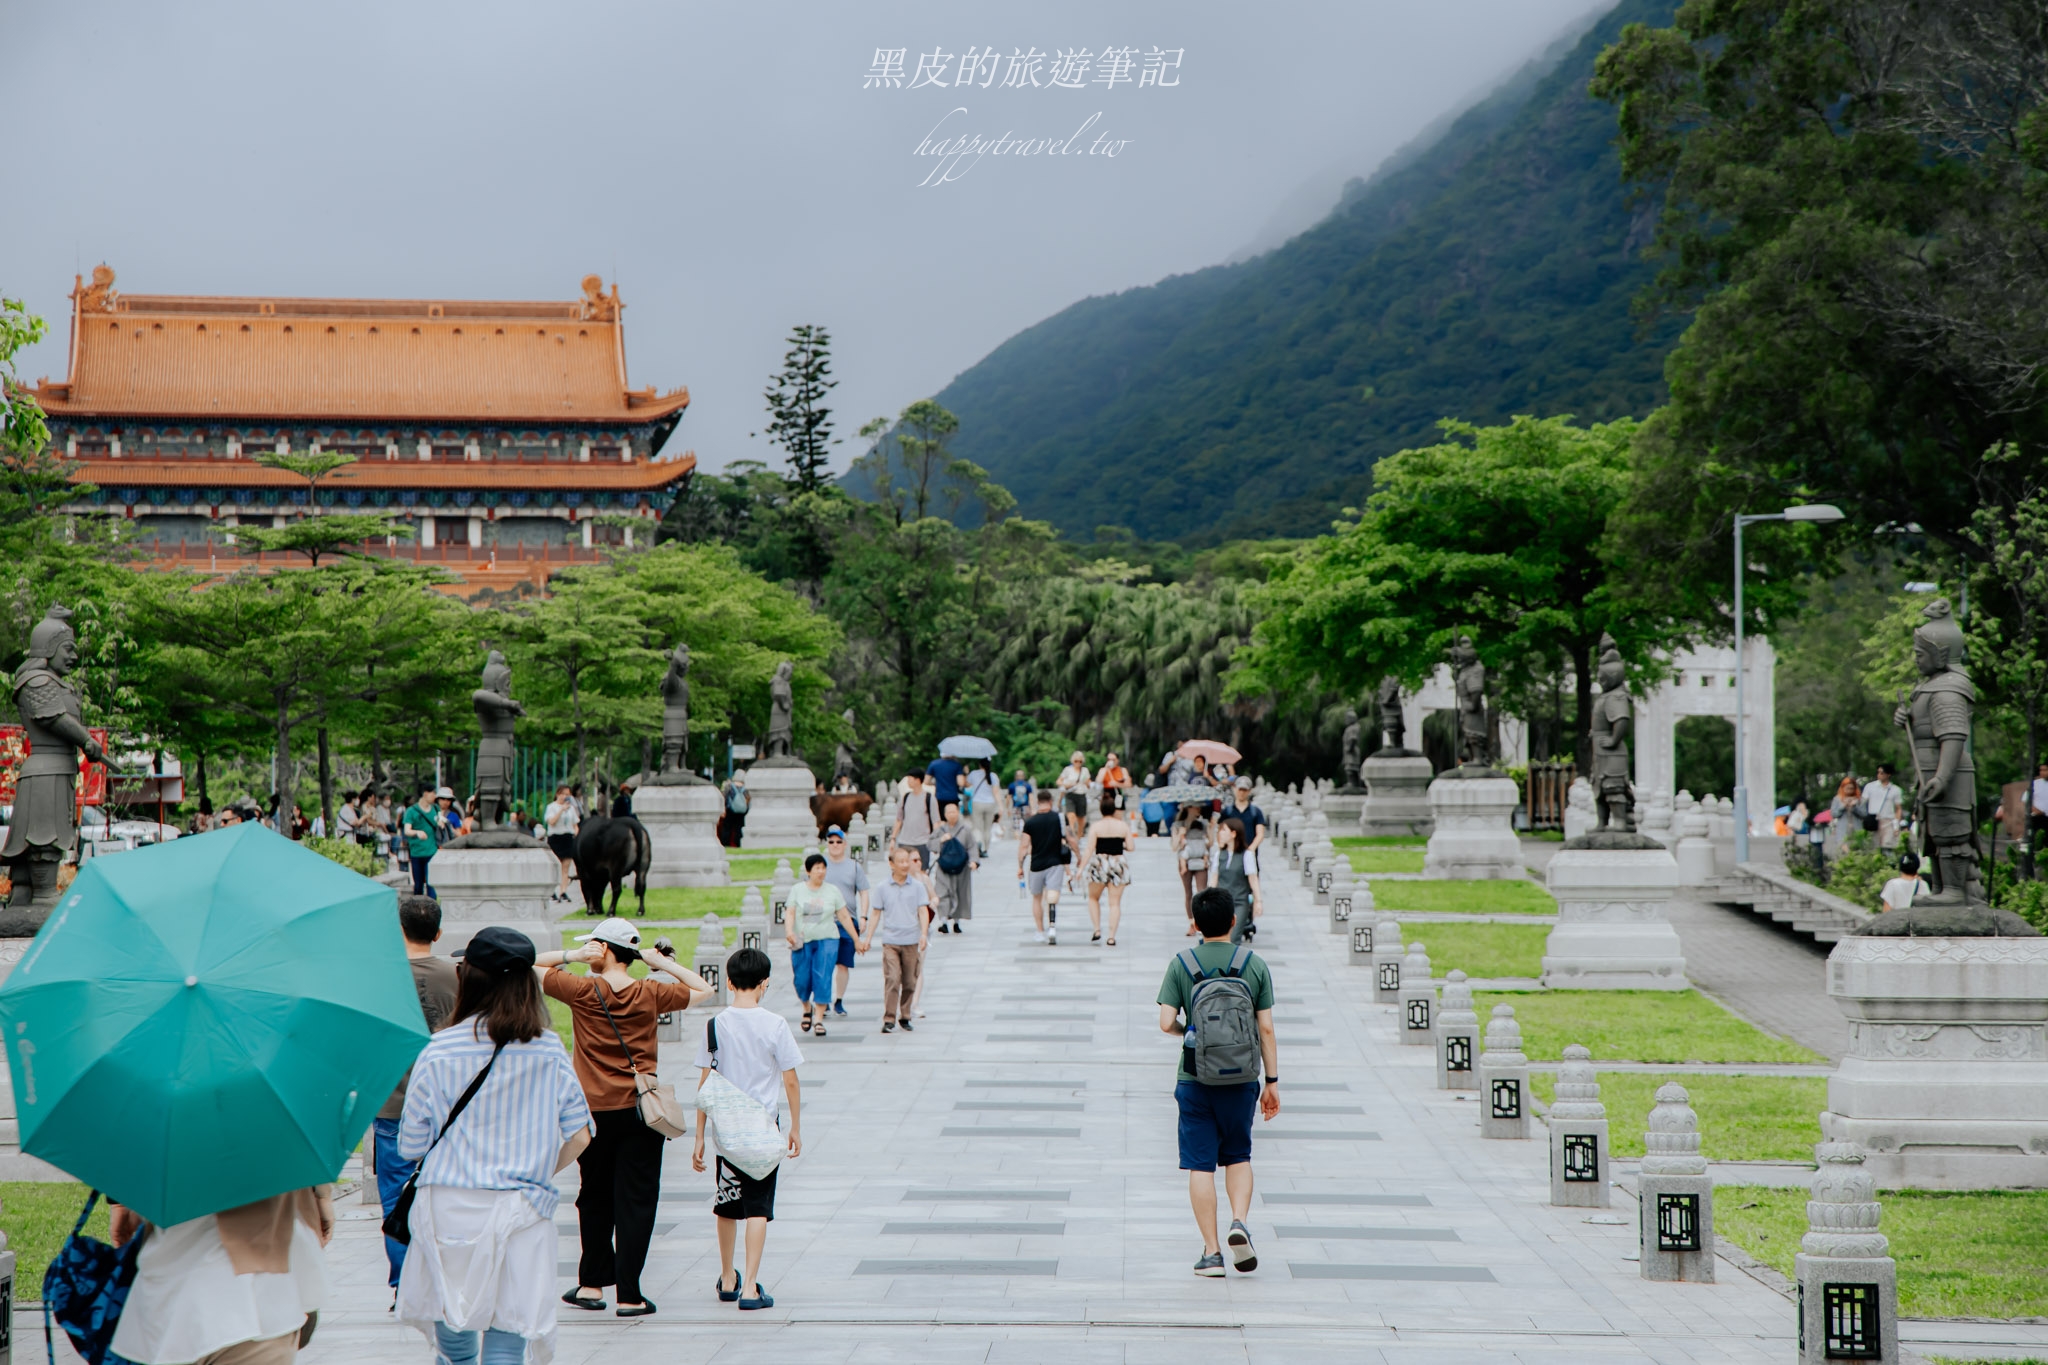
{"x": 1216, "y": 1120}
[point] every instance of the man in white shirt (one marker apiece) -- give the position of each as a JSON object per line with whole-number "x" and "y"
{"x": 2037, "y": 807}
{"x": 1881, "y": 800}
{"x": 756, "y": 1055}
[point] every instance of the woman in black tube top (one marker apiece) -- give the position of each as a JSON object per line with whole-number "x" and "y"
{"x": 1108, "y": 869}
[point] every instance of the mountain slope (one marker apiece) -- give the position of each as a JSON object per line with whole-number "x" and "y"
{"x": 1486, "y": 275}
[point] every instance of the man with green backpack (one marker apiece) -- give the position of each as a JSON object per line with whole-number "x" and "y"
{"x": 1218, "y": 999}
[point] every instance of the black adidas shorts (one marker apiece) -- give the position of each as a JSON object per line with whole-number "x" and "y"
{"x": 740, "y": 1196}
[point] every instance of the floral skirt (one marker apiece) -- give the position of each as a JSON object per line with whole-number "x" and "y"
{"x": 1109, "y": 869}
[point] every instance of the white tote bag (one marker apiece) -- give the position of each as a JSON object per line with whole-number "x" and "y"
{"x": 746, "y": 1132}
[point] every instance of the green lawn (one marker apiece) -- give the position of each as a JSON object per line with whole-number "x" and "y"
{"x": 1742, "y": 1118}
{"x": 37, "y": 1217}
{"x": 1481, "y": 949}
{"x": 691, "y": 902}
{"x": 1635, "y": 1026}
{"x": 753, "y": 869}
{"x": 1350, "y": 841}
{"x": 1385, "y": 860}
{"x": 1974, "y": 1254}
{"x": 1464, "y": 898}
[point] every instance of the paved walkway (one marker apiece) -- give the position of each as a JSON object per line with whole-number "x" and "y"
{"x": 1005, "y": 1190}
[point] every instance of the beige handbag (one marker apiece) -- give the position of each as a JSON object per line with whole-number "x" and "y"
{"x": 658, "y": 1106}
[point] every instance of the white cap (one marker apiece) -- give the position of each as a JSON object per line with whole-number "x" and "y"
{"x": 443, "y": 794}
{"x": 617, "y": 932}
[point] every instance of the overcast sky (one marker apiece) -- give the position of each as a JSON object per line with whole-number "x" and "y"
{"x": 722, "y": 161}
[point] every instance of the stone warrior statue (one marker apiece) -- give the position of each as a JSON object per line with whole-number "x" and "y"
{"x": 1393, "y": 725}
{"x": 495, "y": 714}
{"x": 842, "y": 757}
{"x": 781, "y": 711}
{"x": 675, "y": 711}
{"x": 1352, "y": 758}
{"x": 1613, "y": 726}
{"x": 1469, "y": 676}
{"x": 1937, "y": 721}
{"x": 44, "y": 827}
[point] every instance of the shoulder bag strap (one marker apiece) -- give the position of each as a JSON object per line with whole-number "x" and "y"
{"x": 711, "y": 1041}
{"x": 455, "y": 1112}
{"x": 1190, "y": 965}
{"x": 1237, "y": 961}
{"x": 632, "y": 1063}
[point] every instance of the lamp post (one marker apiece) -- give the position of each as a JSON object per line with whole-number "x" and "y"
{"x": 1814, "y": 511}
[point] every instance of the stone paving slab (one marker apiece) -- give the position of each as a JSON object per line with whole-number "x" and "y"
{"x": 899, "y": 1163}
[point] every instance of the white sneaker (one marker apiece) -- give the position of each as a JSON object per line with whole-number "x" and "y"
{"x": 1040, "y": 936}
{"x": 1052, "y": 936}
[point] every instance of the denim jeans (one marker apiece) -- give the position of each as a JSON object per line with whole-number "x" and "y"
{"x": 392, "y": 1172}
{"x": 420, "y": 885}
{"x": 812, "y": 966}
{"x": 460, "y": 1348}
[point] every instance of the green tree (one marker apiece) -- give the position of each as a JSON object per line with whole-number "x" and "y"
{"x": 33, "y": 478}
{"x": 1853, "y": 207}
{"x": 316, "y": 534}
{"x": 798, "y": 420}
{"x": 283, "y": 650}
{"x": 583, "y": 659}
{"x": 1500, "y": 533}
{"x": 2011, "y": 650}
{"x": 739, "y": 626}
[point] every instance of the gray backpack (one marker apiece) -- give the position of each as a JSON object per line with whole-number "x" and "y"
{"x": 1223, "y": 1027}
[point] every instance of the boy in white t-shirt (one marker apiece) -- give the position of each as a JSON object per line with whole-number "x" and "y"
{"x": 756, "y": 1053}
{"x": 1899, "y": 892}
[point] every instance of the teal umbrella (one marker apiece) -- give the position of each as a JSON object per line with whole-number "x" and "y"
{"x": 209, "y": 1022}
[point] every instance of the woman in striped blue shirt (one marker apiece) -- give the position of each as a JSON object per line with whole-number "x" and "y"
{"x": 482, "y": 1258}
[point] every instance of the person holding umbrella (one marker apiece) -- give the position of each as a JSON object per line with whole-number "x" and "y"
{"x": 482, "y": 1258}
{"x": 264, "y": 1010}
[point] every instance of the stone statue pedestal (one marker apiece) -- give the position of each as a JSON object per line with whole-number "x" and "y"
{"x": 1946, "y": 1081}
{"x": 682, "y": 822}
{"x": 779, "y": 792}
{"x": 497, "y": 878}
{"x": 1474, "y": 839}
{"x": 1343, "y": 806}
{"x": 1397, "y": 796}
{"x": 1613, "y": 890}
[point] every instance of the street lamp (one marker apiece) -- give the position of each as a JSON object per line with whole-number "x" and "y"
{"x": 1812, "y": 511}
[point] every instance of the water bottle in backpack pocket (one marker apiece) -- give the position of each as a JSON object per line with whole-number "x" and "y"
{"x": 1223, "y": 1027}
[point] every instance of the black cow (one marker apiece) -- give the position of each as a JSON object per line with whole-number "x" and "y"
{"x": 607, "y": 849}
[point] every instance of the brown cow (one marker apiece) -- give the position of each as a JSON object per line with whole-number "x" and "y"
{"x": 839, "y": 808}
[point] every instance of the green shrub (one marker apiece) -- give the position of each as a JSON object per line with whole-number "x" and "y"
{"x": 2028, "y": 900}
{"x": 349, "y": 854}
{"x": 1859, "y": 874}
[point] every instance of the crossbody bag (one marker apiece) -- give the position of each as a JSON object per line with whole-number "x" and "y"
{"x": 398, "y": 1222}
{"x": 748, "y": 1136}
{"x": 656, "y": 1102}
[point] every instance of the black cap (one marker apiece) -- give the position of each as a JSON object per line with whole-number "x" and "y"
{"x": 497, "y": 950}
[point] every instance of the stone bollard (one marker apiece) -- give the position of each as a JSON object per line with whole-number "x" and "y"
{"x": 1343, "y": 891}
{"x": 1848, "y": 1286}
{"x": 1675, "y": 1220}
{"x": 1361, "y": 936}
{"x": 779, "y": 887}
{"x": 1386, "y": 961}
{"x": 1457, "y": 1036}
{"x": 668, "y": 1028}
{"x": 1695, "y": 853}
{"x": 1322, "y": 873}
{"x": 709, "y": 959}
{"x": 1503, "y": 1078}
{"x": 1578, "y": 1136}
{"x": 753, "y": 922}
{"x": 1417, "y": 1017}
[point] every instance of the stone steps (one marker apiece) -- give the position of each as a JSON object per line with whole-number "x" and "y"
{"x": 1778, "y": 895}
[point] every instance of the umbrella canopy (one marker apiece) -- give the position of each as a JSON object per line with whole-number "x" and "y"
{"x": 1184, "y": 794}
{"x": 966, "y": 746}
{"x": 209, "y": 1022}
{"x": 1782, "y": 810}
{"x": 1213, "y": 750}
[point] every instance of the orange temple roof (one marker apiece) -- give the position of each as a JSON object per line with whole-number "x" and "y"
{"x": 360, "y": 360}
{"x": 644, "y": 476}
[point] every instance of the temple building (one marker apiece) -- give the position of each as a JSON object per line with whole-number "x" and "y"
{"x": 506, "y": 434}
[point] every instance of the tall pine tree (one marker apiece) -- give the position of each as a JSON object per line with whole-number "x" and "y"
{"x": 798, "y": 421}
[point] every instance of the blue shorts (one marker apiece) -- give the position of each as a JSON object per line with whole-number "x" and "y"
{"x": 1215, "y": 1123}
{"x": 845, "y": 947}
